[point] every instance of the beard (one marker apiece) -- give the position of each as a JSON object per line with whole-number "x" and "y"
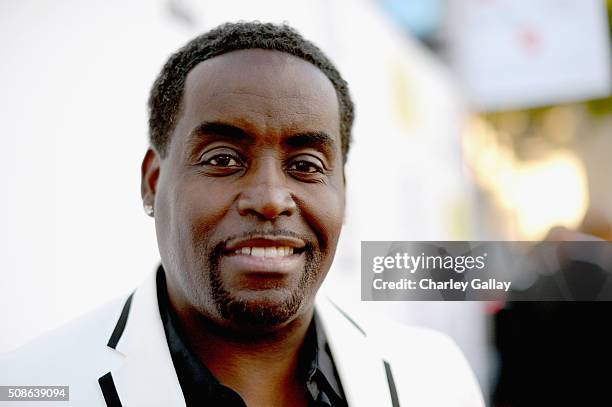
{"x": 263, "y": 313}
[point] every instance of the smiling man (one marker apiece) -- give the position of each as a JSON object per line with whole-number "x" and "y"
{"x": 247, "y": 192}
{"x": 250, "y": 130}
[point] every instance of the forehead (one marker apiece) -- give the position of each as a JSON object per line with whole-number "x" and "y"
{"x": 263, "y": 91}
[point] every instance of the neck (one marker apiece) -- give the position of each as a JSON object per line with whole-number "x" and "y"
{"x": 261, "y": 367}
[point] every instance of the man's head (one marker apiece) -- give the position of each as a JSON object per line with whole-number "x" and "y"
{"x": 250, "y": 127}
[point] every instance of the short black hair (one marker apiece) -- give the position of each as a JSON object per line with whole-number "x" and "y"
{"x": 167, "y": 91}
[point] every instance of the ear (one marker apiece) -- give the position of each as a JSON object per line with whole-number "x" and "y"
{"x": 149, "y": 176}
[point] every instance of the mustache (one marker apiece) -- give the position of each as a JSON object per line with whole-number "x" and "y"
{"x": 263, "y": 232}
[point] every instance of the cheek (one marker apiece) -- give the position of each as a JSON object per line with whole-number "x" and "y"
{"x": 324, "y": 211}
{"x": 189, "y": 211}
{"x": 201, "y": 206}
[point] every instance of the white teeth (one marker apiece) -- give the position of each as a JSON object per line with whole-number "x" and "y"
{"x": 258, "y": 251}
{"x": 280, "y": 251}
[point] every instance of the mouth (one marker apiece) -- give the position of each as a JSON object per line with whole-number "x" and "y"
{"x": 265, "y": 255}
{"x": 269, "y": 252}
{"x": 266, "y": 246}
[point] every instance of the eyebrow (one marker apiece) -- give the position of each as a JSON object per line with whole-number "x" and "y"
{"x": 212, "y": 131}
{"x": 220, "y": 130}
{"x": 314, "y": 139}
{"x": 216, "y": 130}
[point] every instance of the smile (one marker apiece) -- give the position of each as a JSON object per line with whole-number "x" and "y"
{"x": 280, "y": 251}
{"x": 272, "y": 261}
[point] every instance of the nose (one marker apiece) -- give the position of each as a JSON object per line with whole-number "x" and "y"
{"x": 266, "y": 195}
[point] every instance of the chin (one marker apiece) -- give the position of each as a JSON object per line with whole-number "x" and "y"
{"x": 265, "y": 309}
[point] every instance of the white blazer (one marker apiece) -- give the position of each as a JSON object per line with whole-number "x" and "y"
{"x": 118, "y": 355}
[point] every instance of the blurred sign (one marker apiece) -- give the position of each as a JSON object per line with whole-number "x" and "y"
{"x": 420, "y": 17}
{"x": 514, "y": 54}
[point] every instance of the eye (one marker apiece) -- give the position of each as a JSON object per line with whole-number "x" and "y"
{"x": 223, "y": 160}
{"x": 306, "y": 167}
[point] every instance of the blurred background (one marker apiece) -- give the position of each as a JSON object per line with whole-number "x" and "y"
{"x": 476, "y": 120}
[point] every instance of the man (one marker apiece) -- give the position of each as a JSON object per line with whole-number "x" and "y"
{"x": 250, "y": 129}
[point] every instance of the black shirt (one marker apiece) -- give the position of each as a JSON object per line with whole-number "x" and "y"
{"x": 201, "y": 388}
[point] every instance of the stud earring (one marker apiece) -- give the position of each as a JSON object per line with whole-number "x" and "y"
{"x": 148, "y": 210}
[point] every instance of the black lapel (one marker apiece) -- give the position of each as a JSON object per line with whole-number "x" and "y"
{"x": 109, "y": 391}
{"x": 107, "y": 384}
{"x": 392, "y": 389}
{"x": 120, "y": 326}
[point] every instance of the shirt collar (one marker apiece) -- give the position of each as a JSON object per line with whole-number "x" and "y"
{"x": 321, "y": 369}
{"x": 193, "y": 376}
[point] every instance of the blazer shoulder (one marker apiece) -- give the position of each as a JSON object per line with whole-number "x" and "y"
{"x": 429, "y": 359}
{"x": 66, "y": 352}
{"x": 426, "y": 366}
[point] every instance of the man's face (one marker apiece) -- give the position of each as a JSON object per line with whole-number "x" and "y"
{"x": 249, "y": 200}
